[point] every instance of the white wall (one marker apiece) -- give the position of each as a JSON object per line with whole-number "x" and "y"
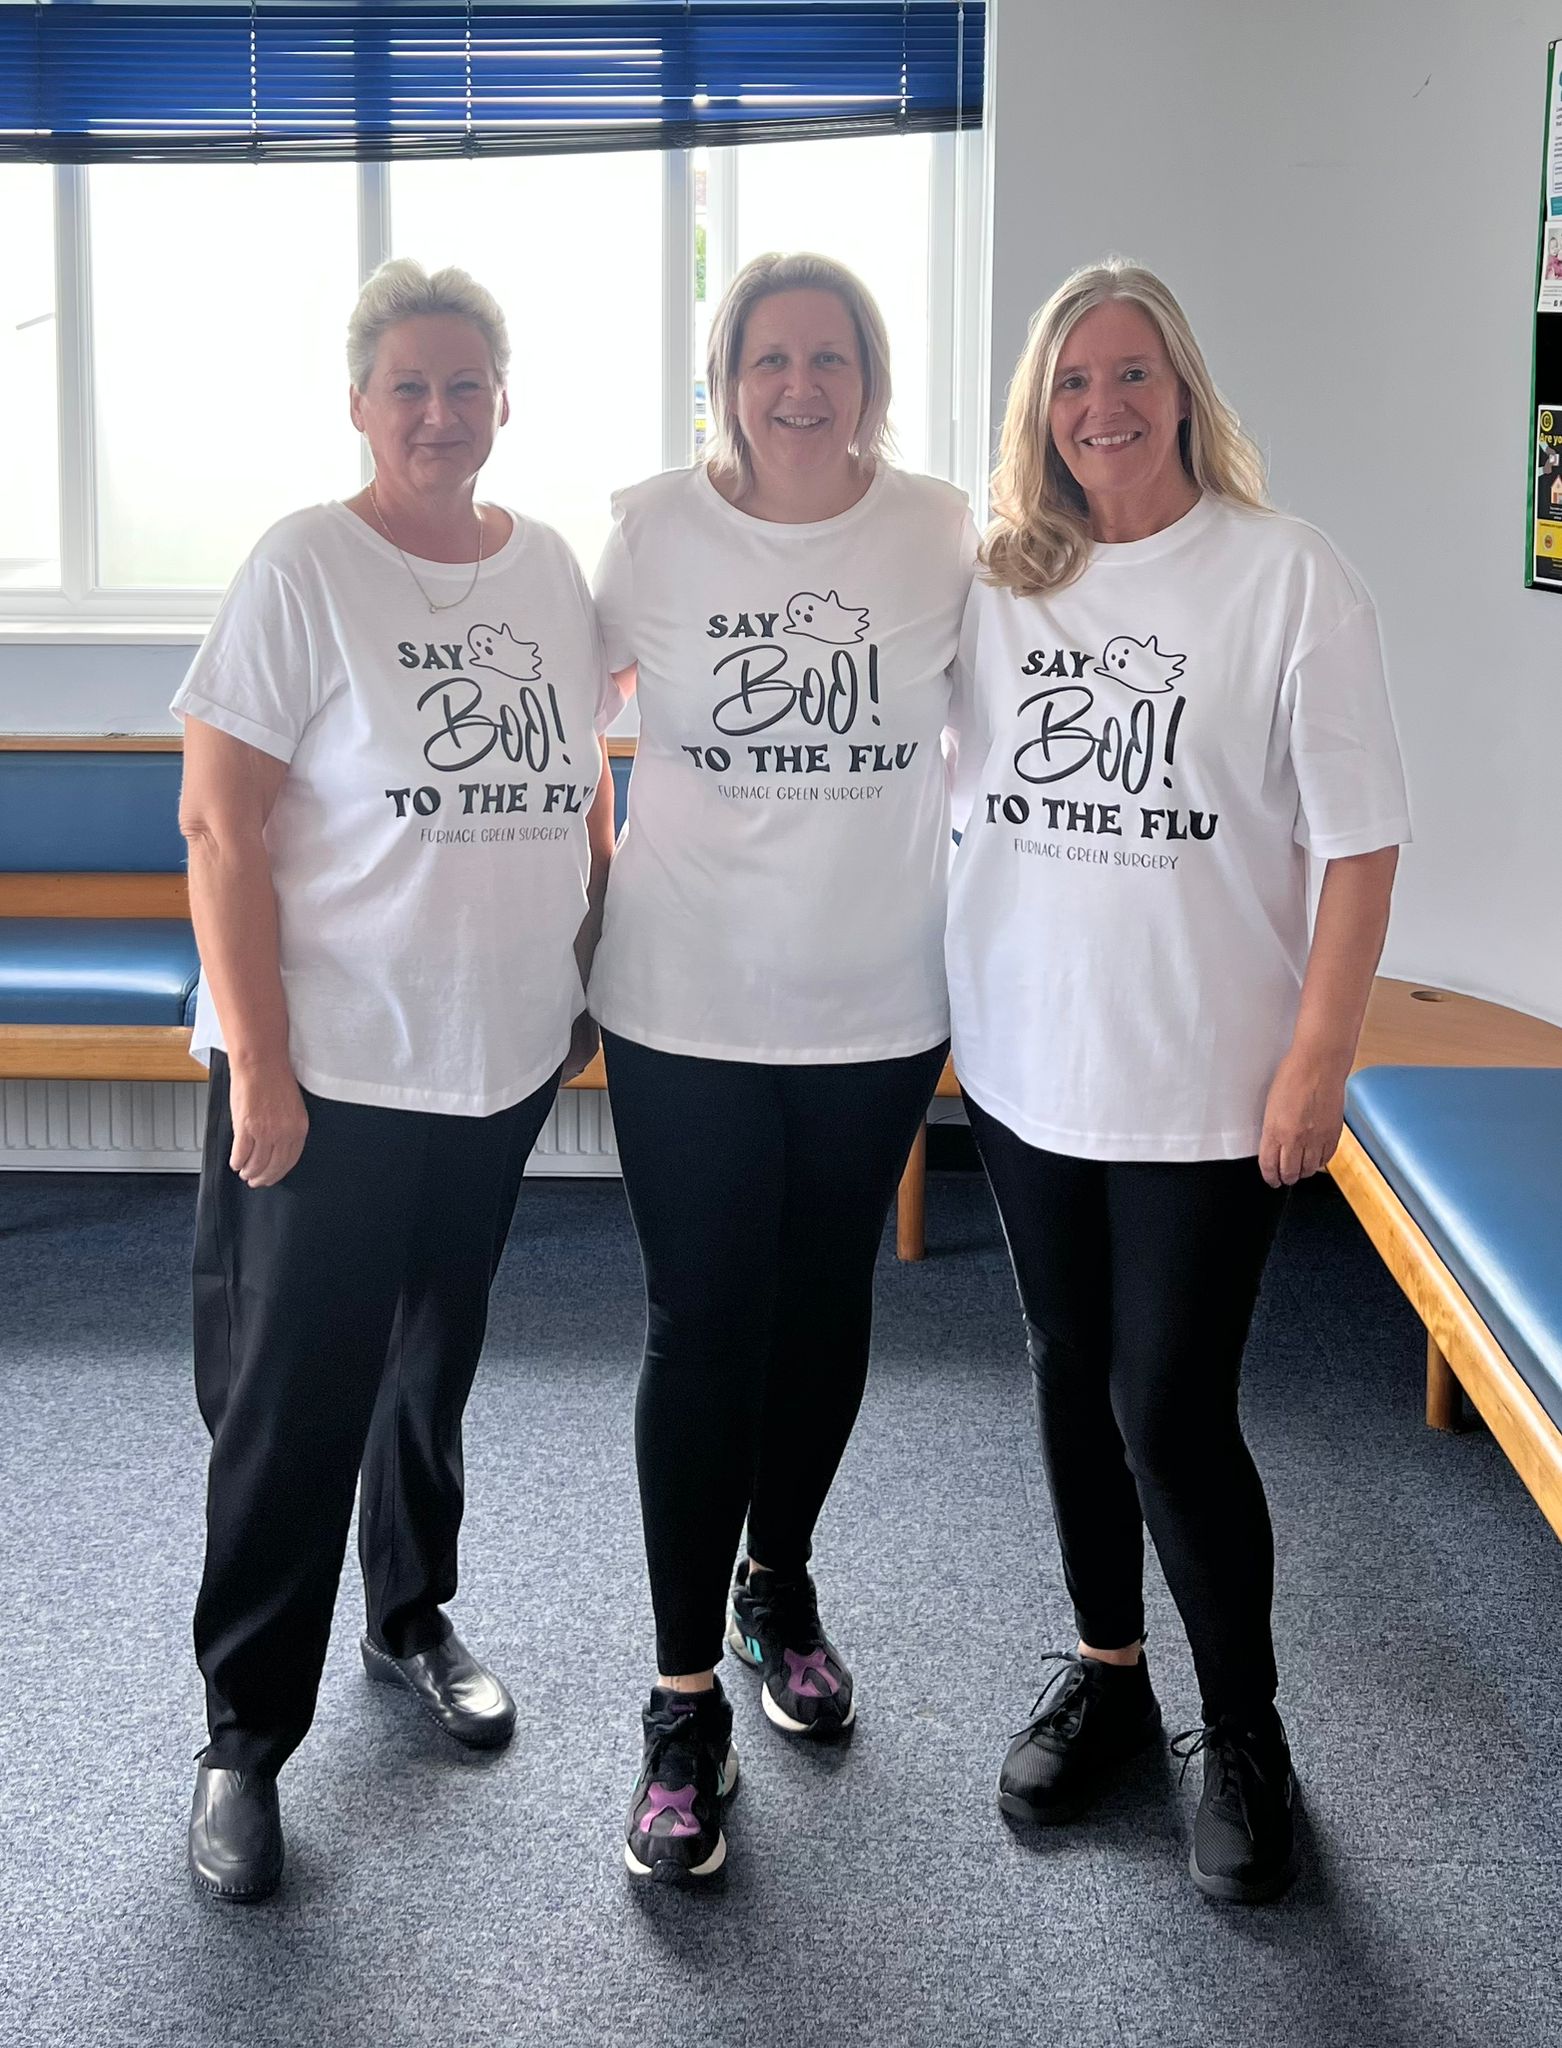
{"x": 90, "y": 688}
{"x": 1344, "y": 196}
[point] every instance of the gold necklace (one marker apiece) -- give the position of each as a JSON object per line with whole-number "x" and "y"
{"x": 396, "y": 544}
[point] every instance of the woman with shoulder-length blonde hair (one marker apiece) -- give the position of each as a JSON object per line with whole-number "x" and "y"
{"x": 1168, "y": 696}
{"x": 770, "y": 984}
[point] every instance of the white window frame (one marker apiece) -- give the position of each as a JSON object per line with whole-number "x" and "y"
{"x": 82, "y": 610}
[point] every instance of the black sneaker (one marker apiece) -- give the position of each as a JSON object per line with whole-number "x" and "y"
{"x": 1244, "y": 1833}
{"x": 807, "y": 1688}
{"x": 688, "y": 1773}
{"x": 1088, "y": 1719}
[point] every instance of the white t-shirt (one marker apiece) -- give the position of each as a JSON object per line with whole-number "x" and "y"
{"x": 1145, "y": 759}
{"x": 779, "y": 891}
{"x": 428, "y": 845}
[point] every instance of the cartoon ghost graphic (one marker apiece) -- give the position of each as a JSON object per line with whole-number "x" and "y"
{"x": 813, "y": 617}
{"x": 1139, "y": 665}
{"x": 496, "y": 648}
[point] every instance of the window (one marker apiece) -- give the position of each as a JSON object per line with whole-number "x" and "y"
{"x": 218, "y": 386}
{"x": 30, "y": 502}
{"x": 190, "y": 386}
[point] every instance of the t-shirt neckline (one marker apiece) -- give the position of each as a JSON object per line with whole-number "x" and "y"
{"x": 1116, "y": 553}
{"x": 388, "y": 552}
{"x": 786, "y": 529}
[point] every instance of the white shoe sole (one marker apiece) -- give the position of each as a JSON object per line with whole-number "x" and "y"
{"x": 679, "y": 1873}
{"x": 738, "y": 1642}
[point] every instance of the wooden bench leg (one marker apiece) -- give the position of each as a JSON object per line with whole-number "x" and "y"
{"x": 911, "y": 1204}
{"x": 1444, "y": 1395}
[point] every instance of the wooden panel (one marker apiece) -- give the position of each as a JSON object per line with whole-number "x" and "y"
{"x": 1528, "y": 1436}
{"x": 97, "y": 1052}
{"x": 94, "y": 896}
{"x": 1444, "y": 1401}
{"x": 594, "y": 1076}
{"x": 911, "y": 1204}
{"x": 1410, "y": 1024}
{"x": 91, "y": 743}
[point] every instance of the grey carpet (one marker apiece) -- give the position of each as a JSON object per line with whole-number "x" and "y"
{"x": 875, "y": 1894}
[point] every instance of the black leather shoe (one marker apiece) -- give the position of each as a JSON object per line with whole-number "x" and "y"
{"x": 1089, "y": 1720}
{"x": 452, "y": 1688}
{"x": 235, "y": 1835}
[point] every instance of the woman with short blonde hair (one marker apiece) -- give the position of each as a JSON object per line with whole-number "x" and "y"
{"x": 391, "y": 990}
{"x": 1168, "y": 697}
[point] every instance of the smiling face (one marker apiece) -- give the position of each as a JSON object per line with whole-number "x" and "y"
{"x": 432, "y": 406}
{"x": 799, "y": 385}
{"x": 1116, "y": 407}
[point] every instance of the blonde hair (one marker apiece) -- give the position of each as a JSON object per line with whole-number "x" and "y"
{"x": 1039, "y": 539}
{"x": 727, "y": 454}
{"x": 404, "y": 290}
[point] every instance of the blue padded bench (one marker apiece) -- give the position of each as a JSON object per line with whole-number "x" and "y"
{"x": 97, "y": 958}
{"x": 97, "y": 970}
{"x": 1456, "y": 1174}
{"x": 98, "y": 964}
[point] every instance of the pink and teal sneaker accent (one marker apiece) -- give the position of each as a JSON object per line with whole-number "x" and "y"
{"x": 807, "y": 1686}
{"x": 688, "y": 1772}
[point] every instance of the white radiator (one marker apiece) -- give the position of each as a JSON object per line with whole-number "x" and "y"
{"x": 156, "y": 1127}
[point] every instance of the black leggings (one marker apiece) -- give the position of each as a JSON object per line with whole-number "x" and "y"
{"x": 338, "y": 1320}
{"x": 759, "y": 1194}
{"x": 1138, "y": 1281}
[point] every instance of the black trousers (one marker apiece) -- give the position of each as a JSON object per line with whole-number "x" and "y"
{"x": 338, "y": 1320}
{"x": 1138, "y": 1281}
{"x": 759, "y": 1194}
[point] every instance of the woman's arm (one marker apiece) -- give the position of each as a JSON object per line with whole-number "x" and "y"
{"x": 1305, "y": 1111}
{"x": 601, "y": 836}
{"x": 229, "y": 789}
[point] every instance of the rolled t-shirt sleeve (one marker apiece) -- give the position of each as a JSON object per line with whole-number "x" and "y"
{"x": 255, "y": 676}
{"x": 1343, "y": 747}
{"x": 613, "y": 589}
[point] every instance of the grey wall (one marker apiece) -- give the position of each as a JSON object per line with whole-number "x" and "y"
{"x": 1344, "y": 197}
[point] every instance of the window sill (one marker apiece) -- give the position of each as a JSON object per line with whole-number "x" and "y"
{"x": 101, "y": 632}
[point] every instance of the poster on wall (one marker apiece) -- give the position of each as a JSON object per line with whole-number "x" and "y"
{"x": 1548, "y": 495}
{"x": 1554, "y": 155}
{"x": 1551, "y": 264}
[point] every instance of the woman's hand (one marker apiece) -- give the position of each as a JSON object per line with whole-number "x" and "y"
{"x": 1303, "y": 1117}
{"x": 270, "y": 1123}
{"x": 583, "y": 1042}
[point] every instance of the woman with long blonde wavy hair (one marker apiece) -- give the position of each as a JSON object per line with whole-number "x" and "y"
{"x": 1168, "y": 696}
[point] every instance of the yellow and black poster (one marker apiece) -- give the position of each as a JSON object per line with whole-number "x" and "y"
{"x": 1548, "y": 495}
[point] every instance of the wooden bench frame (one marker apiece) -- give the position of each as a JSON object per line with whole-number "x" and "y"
{"x": 1421, "y": 1027}
{"x": 1462, "y": 1355}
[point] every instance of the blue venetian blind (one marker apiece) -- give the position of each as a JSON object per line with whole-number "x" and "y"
{"x": 253, "y": 80}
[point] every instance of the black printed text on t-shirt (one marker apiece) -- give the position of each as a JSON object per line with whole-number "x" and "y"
{"x": 489, "y": 695}
{"x": 1071, "y": 726}
{"x": 809, "y": 659}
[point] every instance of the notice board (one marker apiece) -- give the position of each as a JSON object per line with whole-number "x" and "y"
{"x": 1543, "y": 541}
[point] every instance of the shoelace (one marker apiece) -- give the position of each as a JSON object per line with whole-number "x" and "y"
{"x": 1225, "y": 1745}
{"x": 672, "y": 1730}
{"x": 789, "y": 1609}
{"x": 1067, "y": 1710}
